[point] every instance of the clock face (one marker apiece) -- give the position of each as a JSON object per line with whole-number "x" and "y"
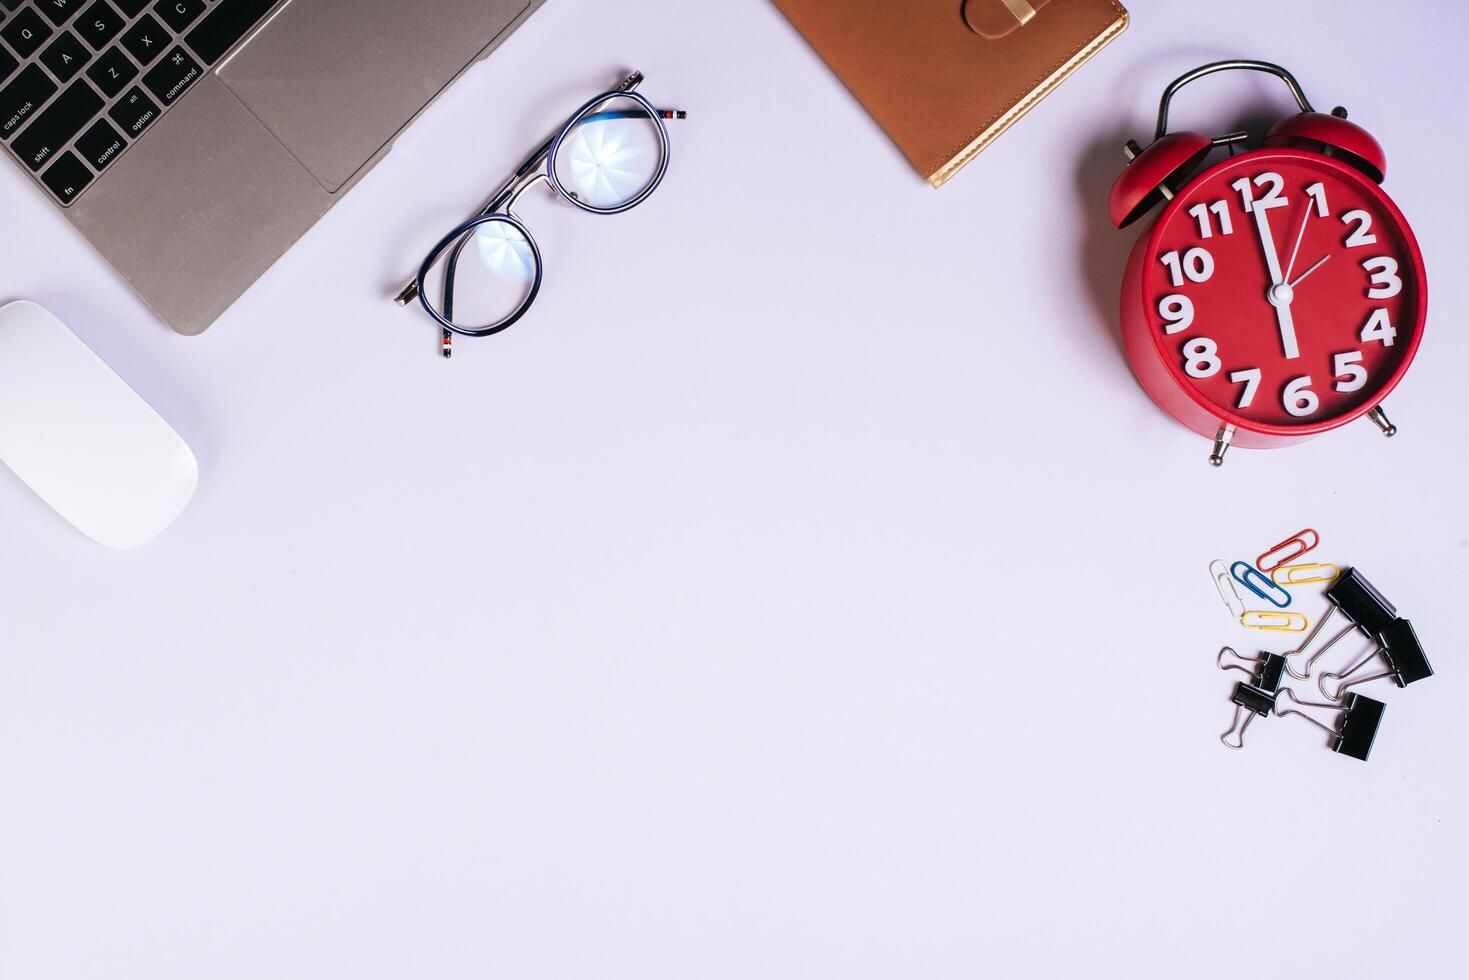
{"x": 1285, "y": 291}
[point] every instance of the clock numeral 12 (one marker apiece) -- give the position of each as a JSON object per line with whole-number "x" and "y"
{"x": 1273, "y": 198}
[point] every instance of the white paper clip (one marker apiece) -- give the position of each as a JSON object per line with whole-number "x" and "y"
{"x": 1224, "y": 582}
{"x": 1279, "y": 622}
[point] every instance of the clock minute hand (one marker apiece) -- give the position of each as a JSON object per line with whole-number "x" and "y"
{"x": 1267, "y": 243}
{"x": 1279, "y": 294}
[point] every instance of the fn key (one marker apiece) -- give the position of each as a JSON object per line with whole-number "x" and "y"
{"x": 67, "y": 177}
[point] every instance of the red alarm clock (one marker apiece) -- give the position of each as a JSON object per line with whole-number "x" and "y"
{"x": 1280, "y": 293}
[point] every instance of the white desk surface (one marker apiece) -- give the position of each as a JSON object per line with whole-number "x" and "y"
{"x": 805, "y": 589}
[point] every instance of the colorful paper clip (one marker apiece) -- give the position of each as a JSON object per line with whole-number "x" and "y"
{"x": 1279, "y": 622}
{"x": 1251, "y": 578}
{"x": 1304, "y": 574}
{"x": 1225, "y": 584}
{"x": 1288, "y": 550}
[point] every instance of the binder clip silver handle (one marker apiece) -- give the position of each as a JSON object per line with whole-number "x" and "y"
{"x": 1355, "y": 729}
{"x": 1249, "y": 702}
{"x": 1300, "y": 651}
{"x": 1397, "y": 644}
{"x": 1342, "y": 683}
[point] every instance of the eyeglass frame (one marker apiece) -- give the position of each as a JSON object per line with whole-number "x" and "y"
{"x": 501, "y": 209}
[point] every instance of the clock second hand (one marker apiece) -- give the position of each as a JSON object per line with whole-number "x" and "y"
{"x": 1319, "y": 263}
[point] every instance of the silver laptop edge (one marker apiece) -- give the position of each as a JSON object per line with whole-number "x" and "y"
{"x": 260, "y": 144}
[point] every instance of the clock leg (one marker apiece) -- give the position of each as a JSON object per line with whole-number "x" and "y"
{"x": 1379, "y": 419}
{"x": 1222, "y": 439}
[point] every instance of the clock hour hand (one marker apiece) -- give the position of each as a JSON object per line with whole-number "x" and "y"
{"x": 1279, "y": 293}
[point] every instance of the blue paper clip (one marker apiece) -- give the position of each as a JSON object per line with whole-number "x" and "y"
{"x": 1259, "y": 583}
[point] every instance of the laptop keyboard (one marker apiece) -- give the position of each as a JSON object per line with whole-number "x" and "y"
{"x": 81, "y": 80}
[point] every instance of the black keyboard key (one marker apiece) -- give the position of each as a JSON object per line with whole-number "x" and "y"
{"x": 48, "y": 133}
{"x": 179, "y": 14}
{"x": 112, "y": 72}
{"x": 65, "y": 57}
{"x": 26, "y": 32}
{"x": 11, "y": 4}
{"x": 172, "y": 76}
{"x": 59, "y": 11}
{"x": 67, "y": 177}
{"x": 22, "y": 98}
{"x": 131, "y": 8}
{"x": 229, "y": 21}
{"x": 8, "y": 64}
{"x": 146, "y": 40}
{"x": 99, "y": 24}
{"x": 134, "y": 112}
{"x": 100, "y": 145}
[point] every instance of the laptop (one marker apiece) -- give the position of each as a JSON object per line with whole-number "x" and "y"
{"x": 194, "y": 141}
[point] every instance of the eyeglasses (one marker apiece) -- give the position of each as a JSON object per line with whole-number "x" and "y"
{"x": 483, "y": 276}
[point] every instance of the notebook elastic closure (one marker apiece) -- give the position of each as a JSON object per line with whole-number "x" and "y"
{"x": 994, "y": 19}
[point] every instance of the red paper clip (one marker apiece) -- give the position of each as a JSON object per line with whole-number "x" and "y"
{"x": 1288, "y": 550}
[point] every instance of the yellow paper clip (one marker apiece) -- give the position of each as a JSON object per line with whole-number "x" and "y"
{"x": 1304, "y": 574}
{"x": 1279, "y": 622}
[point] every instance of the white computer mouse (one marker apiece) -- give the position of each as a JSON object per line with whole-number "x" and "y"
{"x": 82, "y": 439}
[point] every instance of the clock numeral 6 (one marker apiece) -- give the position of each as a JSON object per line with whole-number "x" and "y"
{"x": 1346, "y": 366}
{"x": 1196, "y": 263}
{"x": 1201, "y": 358}
{"x": 1385, "y": 281}
{"x": 1177, "y": 310}
{"x": 1299, "y": 399}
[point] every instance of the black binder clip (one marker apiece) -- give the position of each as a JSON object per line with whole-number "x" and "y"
{"x": 1360, "y": 602}
{"x": 1255, "y": 699}
{"x": 1354, "y": 730}
{"x": 1399, "y": 648}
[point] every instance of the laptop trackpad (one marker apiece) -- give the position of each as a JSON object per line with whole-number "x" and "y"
{"x": 335, "y": 80}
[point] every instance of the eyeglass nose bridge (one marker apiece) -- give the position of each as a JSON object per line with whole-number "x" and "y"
{"x": 541, "y": 177}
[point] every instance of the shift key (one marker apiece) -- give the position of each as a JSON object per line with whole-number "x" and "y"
{"x": 172, "y": 76}
{"x": 55, "y": 127}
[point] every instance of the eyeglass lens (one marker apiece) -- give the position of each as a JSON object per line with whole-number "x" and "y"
{"x": 611, "y": 154}
{"x": 494, "y": 275}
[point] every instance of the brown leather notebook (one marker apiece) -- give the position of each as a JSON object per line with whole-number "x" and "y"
{"x": 945, "y": 77}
